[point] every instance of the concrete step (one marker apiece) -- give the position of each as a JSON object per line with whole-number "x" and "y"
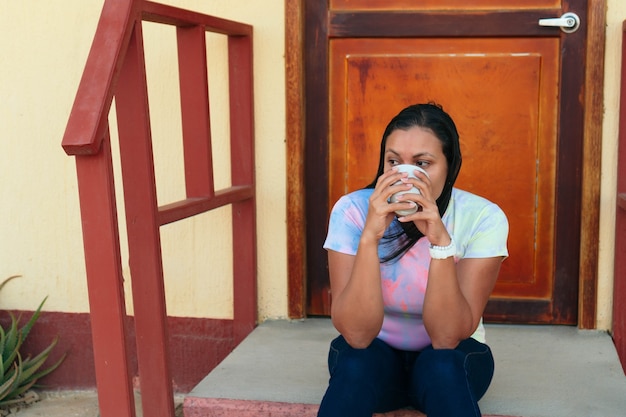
{"x": 280, "y": 370}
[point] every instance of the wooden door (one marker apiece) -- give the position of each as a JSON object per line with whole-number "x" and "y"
{"x": 514, "y": 89}
{"x": 619, "y": 286}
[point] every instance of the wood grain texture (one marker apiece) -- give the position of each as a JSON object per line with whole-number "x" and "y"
{"x": 592, "y": 169}
{"x": 294, "y": 76}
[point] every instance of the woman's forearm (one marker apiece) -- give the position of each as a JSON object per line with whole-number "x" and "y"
{"x": 447, "y": 315}
{"x": 358, "y": 310}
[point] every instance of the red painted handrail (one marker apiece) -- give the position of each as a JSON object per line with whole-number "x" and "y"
{"x": 115, "y": 68}
{"x": 88, "y": 120}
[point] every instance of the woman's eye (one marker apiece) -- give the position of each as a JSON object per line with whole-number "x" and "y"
{"x": 422, "y": 163}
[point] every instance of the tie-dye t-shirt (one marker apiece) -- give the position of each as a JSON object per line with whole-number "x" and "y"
{"x": 480, "y": 230}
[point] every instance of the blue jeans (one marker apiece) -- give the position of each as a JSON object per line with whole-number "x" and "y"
{"x": 379, "y": 378}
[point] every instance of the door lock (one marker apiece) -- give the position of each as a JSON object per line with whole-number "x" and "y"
{"x": 569, "y": 22}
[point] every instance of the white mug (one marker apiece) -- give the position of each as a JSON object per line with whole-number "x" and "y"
{"x": 408, "y": 168}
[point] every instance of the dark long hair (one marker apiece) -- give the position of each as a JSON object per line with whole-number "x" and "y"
{"x": 400, "y": 237}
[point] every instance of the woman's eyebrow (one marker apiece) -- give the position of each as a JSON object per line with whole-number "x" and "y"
{"x": 417, "y": 155}
{"x": 421, "y": 154}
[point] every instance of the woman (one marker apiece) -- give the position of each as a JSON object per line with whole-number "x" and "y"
{"x": 408, "y": 292}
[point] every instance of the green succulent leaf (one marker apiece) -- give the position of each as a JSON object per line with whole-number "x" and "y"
{"x": 11, "y": 338}
{"x": 2, "y": 339}
{"x": 19, "y": 390}
{"x": 12, "y": 344}
{"x": 9, "y": 393}
{"x": 26, "y": 329}
{"x": 31, "y": 366}
{"x": 7, "y": 386}
{"x": 46, "y": 371}
{"x": 18, "y": 375}
{"x": 3, "y": 283}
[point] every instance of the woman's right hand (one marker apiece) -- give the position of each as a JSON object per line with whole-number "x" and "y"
{"x": 380, "y": 212}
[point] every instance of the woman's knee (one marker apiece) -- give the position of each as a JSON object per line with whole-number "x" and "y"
{"x": 469, "y": 366}
{"x": 356, "y": 365}
{"x": 439, "y": 367}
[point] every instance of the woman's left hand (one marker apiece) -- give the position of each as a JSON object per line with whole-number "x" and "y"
{"x": 427, "y": 218}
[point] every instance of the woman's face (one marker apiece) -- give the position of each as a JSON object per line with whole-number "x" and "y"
{"x": 418, "y": 146}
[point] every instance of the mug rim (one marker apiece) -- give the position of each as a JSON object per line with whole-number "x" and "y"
{"x": 407, "y": 168}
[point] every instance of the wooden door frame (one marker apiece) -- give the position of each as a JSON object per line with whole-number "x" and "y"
{"x": 592, "y": 147}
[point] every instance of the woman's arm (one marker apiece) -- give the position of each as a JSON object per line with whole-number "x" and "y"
{"x": 456, "y": 296}
{"x": 357, "y": 308}
{"x": 357, "y": 301}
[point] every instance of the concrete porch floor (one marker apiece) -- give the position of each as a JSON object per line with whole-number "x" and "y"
{"x": 280, "y": 371}
{"x": 541, "y": 371}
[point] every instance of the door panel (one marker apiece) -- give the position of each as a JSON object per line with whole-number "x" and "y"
{"x": 514, "y": 90}
{"x": 619, "y": 289}
{"x": 441, "y": 4}
{"x": 503, "y": 98}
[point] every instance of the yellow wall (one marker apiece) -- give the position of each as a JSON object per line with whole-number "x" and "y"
{"x": 44, "y": 47}
{"x": 615, "y": 16}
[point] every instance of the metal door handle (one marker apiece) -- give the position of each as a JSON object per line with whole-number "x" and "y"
{"x": 569, "y": 22}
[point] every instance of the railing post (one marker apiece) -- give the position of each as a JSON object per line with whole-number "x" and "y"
{"x": 194, "y": 102}
{"x": 144, "y": 243}
{"x": 242, "y": 172}
{"x": 105, "y": 282}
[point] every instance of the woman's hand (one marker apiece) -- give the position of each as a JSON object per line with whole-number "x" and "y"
{"x": 427, "y": 218}
{"x": 381, "y": 213}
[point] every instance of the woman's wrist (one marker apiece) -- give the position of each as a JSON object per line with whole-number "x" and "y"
{"x": 368, "y": 239}
{"x": 443, "y": 252}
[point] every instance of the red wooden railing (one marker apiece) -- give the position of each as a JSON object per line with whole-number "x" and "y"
{"x": 115, "y": 68}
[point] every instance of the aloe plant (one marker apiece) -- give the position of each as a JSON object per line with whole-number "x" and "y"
{"x": 18, "y": 374}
